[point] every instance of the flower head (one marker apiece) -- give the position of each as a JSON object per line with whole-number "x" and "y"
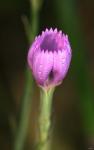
{"x": 49, "y": 57}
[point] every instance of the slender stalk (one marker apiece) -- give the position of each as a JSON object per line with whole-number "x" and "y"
{"x": 24, "y": 114}
{"x": 31, "y": 30}
{"x": 45, "y": 118}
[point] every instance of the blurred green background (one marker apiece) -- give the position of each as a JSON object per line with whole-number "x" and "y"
{"x": 73, "y": 104}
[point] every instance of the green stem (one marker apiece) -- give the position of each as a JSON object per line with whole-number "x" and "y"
{"x": 44, "y": 118}
{"x": 24, "y": 115}
{"x": 28, "y": 90}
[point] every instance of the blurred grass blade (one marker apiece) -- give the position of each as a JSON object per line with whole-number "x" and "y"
{"x": 31, "y": 31}
{"x": 68, "y": 17}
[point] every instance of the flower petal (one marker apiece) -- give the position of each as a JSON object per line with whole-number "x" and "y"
{"x": 61, "y": 65}
{"x": 32, "y": 50}
{"x": 42, "y": 66}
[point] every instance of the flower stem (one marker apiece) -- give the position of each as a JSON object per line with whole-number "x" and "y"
{"x": 45, "y": 118}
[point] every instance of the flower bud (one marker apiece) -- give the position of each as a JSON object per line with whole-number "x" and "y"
{"x": 49, "y": 57}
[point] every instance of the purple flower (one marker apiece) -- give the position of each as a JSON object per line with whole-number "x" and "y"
{"x": 49, "y": 57}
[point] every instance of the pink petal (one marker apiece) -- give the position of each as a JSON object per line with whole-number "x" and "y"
{"x": 61, "y": 65}
{"x": 42, "y": 66}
